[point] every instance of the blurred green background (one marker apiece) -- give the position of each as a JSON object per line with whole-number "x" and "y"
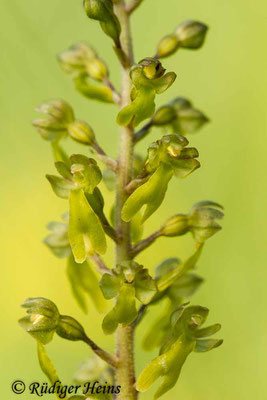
{"x": 227, "y": 80}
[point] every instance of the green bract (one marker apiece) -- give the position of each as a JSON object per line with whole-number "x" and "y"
{"x": 127, "y": 282}
{"x": 186, "y": 322}
{"x": 149, "y": 79}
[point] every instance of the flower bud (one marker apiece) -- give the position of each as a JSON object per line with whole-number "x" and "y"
{"x": 175, "y": 226}
{"x": 42, "y": 321}
{"x": 82, "y": 59}
{"x": 167, "y": 46}
{"x": 81, "y": 132}
{"x": 191, "y": 34}
{"x": 180, "y": 103}
{"x": 164, "y": 116}
{"x": 152, "y": 68}
{"x": 102, "y": 11}
{"x": 58, "y": 114}
{"x": 68, "y": 328}
{"x": 190, "y": 120}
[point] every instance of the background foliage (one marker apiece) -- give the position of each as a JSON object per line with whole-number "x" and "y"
{"x": 226, "y": 80}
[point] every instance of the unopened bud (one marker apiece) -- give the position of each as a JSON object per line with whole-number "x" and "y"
{"x": 191, "y": 34}
{"x": 180, "y": 103}
{"x": 97, "y": 69}
{"x": 82, "y": 59}
{"x": 164, "y": 115}
{"x": 167, "y": 46}
{"x": 70, "y": 329}
{"x": 191, "y": 120}
{"x": 102, "y": 11}
{"x": 175, "y": 226}
{"x": 81, "y": 132}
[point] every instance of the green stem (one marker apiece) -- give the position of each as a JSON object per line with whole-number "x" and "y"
{"x": 125, "y": 373}
{"x": 106, "y": 356}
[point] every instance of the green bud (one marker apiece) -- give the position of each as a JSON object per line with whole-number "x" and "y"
{"x": 190, "y": 120}
{"x": 81, "y": 132}
{"x": 82, "y": 59}
{"x": 175, "y": 226}
{"x": 191, "y": 34}
{"x": 180, "y": 103}
{"x": 43, "y": 318}
{"x": 68, "y": 328}
{"x": 164, "y": 116}
{"x": 167, "y": 46}
{"x": 58, "y": 115}
{"x": 102, "y": 11}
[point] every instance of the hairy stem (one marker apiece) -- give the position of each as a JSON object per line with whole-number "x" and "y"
{"x": 125, "y": 374}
